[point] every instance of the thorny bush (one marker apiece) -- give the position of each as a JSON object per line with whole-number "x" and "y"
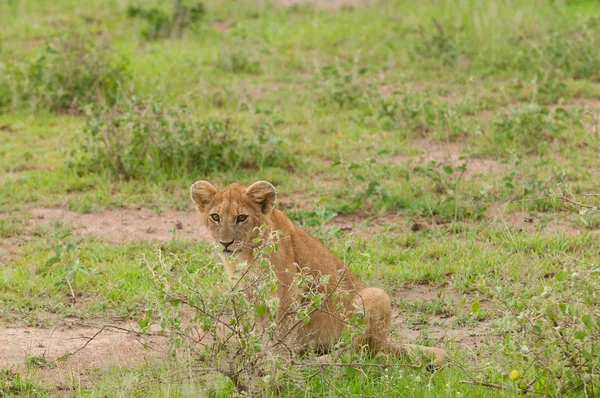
{"x": 235, "y": 328}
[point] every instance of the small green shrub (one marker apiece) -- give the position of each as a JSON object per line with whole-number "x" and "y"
{"x": 316, "y": 217}
{"x": 239, "y": 329}
{"x": 13, "y": 384}
{"x": 160, "y": 24}
{"x": 556, "y": 55}
{"x": 235, "y": 58}
{"x": 438, "y": 45}
{"x": 532, "y": 129}
{"x": 344, "y": 86}
{"x": 66, "y": 74}
{"x": 551, "y": 339}
{"x": 413, "y": 112}
{"x": 143, "y": 138}
{"x": 11, "y": 226}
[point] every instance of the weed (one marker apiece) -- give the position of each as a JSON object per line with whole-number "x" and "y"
{"x": 441, "y": 306}
{"x": 312, "y": 218}
{"x": 235, "y": 58}
{"x": 438, "y": 45}
{"x": 144, "y": 139}
{"x": 556, "y": 344}
{"x": 67, "y": 73}
{"x": 160, "y": 25}
{"x": 451, "y": 201}
{"x": 362, "y": 183}
{"x": 38, "y": 362}
{"x": 343, "y": 85}
{"x": 444, "y": 176}
{"x": 13, "y": 384}
{"x": 414, "y": 112}
{"x": 11, "y": 226}
{"x": 550, "y": 92}
{"x": 563, "y": 55}
{"x": 532, "y": 129}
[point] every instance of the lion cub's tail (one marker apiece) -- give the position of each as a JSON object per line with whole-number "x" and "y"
{"x": 438, "y": 354}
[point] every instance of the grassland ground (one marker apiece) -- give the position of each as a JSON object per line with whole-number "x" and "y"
{"x": 449, "y": 151}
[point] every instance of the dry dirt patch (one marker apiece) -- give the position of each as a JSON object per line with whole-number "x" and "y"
{"x": 116, "y": 226}
{"x": 328, "y": 4}
{"x": 111, "y": 346}
{"x": 454, "y": 154}
{"x": 523, "y": 221}
{"x": 440, "y": 328}
{"x": 220, "y": 25}
{"x": 366, "y": 227}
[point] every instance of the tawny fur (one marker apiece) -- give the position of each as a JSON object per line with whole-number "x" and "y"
{"x": 297, "y": 250}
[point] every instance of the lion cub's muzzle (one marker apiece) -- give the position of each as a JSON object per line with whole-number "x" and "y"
{"x": 231, "y": 248}
{"x": 226, "y": 246}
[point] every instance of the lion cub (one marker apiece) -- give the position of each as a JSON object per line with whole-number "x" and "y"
{"x": 232, "y": 216}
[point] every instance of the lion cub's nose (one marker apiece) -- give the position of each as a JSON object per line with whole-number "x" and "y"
{"x": 225, "y": 244}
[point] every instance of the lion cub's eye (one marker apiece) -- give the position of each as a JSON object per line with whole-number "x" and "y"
{"x": 242, "y": 218}
{"x": 215, "y": 217}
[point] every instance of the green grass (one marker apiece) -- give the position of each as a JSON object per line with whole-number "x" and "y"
{"x": 433, "y": 129}
{"x": 16, "y": 385}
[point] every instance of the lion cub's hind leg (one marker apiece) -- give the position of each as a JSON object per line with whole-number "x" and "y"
{"x": 377, "y": 308}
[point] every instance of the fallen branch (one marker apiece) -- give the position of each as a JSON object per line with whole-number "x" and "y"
{"x": 580, "y": 205}
{"x": 357, "y": 365}
{"x": 480, "y": 383}
{"x": 102, "y": 329}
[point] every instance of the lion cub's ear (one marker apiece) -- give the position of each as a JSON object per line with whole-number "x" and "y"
{"x": 202, "y": 194}
{"x": 264, "y": 194}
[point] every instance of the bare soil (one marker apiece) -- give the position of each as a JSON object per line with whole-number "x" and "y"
{"x": 328, "y": 4}
{"x": 125, "y": 225}
{"x": 120, "y": 345}
{"x": 523, "y": 221}
{"x": 113, "y": 346}
{"x": 440, "y": 328}
{"x": 220, "y": 26}
{"x": 452, "y": 153}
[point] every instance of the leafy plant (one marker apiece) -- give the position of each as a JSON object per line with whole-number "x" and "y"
{"x": 532, "y": 129}
{"x": 143, "y": 138}
{"x": 312, "y": 218}
{"x": 344, "y": 86}
{"x": 235, "y": 58}
{"x": 13, "y": 384}
{"x": 561, "y": 55}
{"x": 11, "y": 226}
{"x": 553, "y": 346}
{"x": 38, "y": 362}
{"x": 160, "y": 24}
{"x": 449, "y": 203}
{"x": 362, "y": 183}
{"x": 438, "y": 45}
{"x": 442, "y": 174}
{"x": 67, "y": 73}
{"x": 241, "y": 333}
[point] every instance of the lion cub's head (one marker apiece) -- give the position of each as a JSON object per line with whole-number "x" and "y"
{"x": 232, "y": 213}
